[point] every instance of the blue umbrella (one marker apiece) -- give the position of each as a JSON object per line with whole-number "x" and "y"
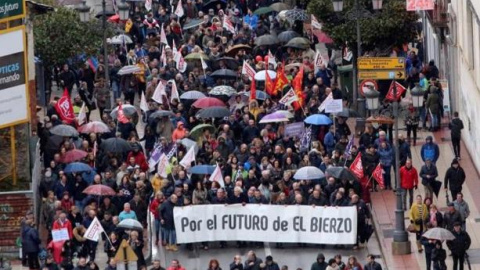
{"x": 202, "y": 169}
{"x": 318, "y": 119}
{"x": 77, "y": 167}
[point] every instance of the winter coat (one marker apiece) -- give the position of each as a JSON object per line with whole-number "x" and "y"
{"x": 408, "y": 177}
{"x": 430, "y": 170}
{"x": 31, "y": 240}
{"x": 386, "y": 155}
{"x": 419, "y": 216}
{"x": 166, "y": 213}
{"x": 450, "y": 218}
{"x": 456, "y": 127}
{"x": 430, "y": 151}
{"x": 319, "y": 265}
{"x": 460, "y": 244}
{"x": 372, "y": 266}
{"x": 439, "y": 255}
{"x": 234, "y": 266}
{"x": 433, "y": 103}
{"x": 454, "y": 178}
{"x": 462, "y": 208}
{"x": 254, "y": 266}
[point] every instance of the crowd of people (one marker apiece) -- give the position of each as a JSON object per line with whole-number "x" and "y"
{"x": 257, "y": 160}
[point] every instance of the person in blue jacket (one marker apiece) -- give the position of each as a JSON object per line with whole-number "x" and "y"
{"x": 31, "y": 241}
{"x": 430, "y": 151}
{"x": 386, "y": 153}
{"x": 251, "y": 19}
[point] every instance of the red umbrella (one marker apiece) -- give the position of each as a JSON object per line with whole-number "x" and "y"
{"x": 100, "y": 190}
{"x": 74, "y": 155}
{"x": 208, "y": 102}
{"x": 94, "y": 127}
{"x": 322, "y": 37}
{"x": 115, "y": 18}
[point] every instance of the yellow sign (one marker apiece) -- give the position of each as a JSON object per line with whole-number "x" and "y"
{"x": 129, "y": 254}
{"x": 381, "y": 63}
{"x": 381, "y": 74}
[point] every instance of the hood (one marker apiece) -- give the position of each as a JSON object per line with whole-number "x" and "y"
{"x": 179, "y": 124}
{"x": 320, "y": 256}
{"x": 429, "y": 138}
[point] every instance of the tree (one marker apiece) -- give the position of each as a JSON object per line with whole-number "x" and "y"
{"x": 60, "y": 36}
{"x": 387, "y": 28}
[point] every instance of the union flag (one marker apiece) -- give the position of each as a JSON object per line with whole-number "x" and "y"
{"x": 357, "y": 166}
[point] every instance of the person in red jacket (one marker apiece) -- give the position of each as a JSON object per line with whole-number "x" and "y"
{"x": 179, "y": 132}
{"x": 159, "y": 199}
{"x": 139, "y": 157}
{"x": 408, "y": 182}
{"x": 175, "y": 265}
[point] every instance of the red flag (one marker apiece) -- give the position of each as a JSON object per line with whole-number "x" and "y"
{"x": 253, "y": 90}
{"x": 64, "y": 108}
{"x": 121, "y": 115}
{"x": 378, "y": 176}
{"x": 400, "y": 90}
{"x": 357, "y": 166}
{"x": 281, "y": 80}
{"x": 269, "y": 84}
{"x": 297, "y": 83}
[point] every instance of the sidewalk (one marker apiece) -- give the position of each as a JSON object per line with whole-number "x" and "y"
{"x": 384, "y": 204}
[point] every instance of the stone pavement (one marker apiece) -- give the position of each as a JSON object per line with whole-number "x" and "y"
{"x": 384, "y": 204}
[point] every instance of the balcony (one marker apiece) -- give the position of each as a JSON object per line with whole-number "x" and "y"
{"x": 439, "y": 16}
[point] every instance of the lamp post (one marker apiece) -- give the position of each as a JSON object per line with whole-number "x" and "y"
{"x": 359, "y": 13}
{"x": 417, "y": 96}
{"x": 372, "y": 99}
{"x": 400, "y": 244}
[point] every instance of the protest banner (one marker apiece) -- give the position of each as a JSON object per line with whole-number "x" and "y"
{"x": 294, "y": 129}
{"x": 266, "y": 223}
{"x": 334, "y": 106}
{"x": 60, "y": 235}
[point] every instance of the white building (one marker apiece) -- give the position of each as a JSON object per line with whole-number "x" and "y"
{"x": 463, "y": 69}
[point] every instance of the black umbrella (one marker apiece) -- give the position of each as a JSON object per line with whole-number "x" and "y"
{"x": 224, "y": 74}
{"x": 213, "y": 5}
{"x": 161, "y": 113}
{"x": 116, "y": 145}
{"x": 266, "y": 40}
{"x": 286, "y": 36}
{"x": 229, "y": 62}
{"x": 341, "y": 173}
{"x": 213, "y": 112}
{"x": 436, "y": 185}
{"x": 347, "y": 112}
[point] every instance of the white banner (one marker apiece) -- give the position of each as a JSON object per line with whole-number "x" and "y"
{"x": 266, "y": 223}
{"x": 60, "y": 235}
{"x": 334, "y": 106}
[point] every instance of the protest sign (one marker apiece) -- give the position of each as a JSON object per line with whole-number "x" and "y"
{"x": 266, "y": 223}
{"x": 334, "y": 106}
{"x": 294, "y": 129}
{"x": 60, "y": 235}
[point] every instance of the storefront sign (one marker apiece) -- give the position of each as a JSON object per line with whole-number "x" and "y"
{"x": 13, "y": 85}
{"x": 12, "y": 9}
{"x": 266, "y": 223}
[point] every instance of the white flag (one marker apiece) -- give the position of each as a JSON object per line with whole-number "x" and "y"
{"x": 204, "y": 65}
{"x": 227, "y": 24}
{"x": 248, "y": 70}
{"x": 316, "y": 24}
{"x": 163, "y": 36}
{"x": 148, "y": 5}
{"x": 174, "y": 94}
{"x": 181, "y": 64}
{"x": 187, "y": 160}
{"x": 82, "y": 114}
{"x": 94, "y": 230}
{"x": 162, "y": 166}
{"x": 143, "y": 103}
{"x": 176, "y": 54}
{"x": 163, "y": 58}
{"x": 271, "y": 59}
{"x": 289, "y": 97}
{"x": 324, "y": 103}
{"x": 318, "y": 61}
{"x": 217, "y": 176}
{"x": 179, "y": 10}
{"x": 159, "y": 92}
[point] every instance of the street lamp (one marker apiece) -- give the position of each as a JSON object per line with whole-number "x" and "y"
{"x": 359, "y": 13}
{"x": 372, "y": 99}
{"x": 83, "y": 11}
{"x": 123, "y": 10}
{"x": 417, "y": 96}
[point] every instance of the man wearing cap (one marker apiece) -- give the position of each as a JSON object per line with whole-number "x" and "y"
{"x": 459, "y": 245}
{"x": 270, "y": 264}
{"x": 451, "y": 216}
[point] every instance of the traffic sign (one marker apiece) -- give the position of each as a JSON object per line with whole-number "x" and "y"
{"x": 381, "y": 74}
{"x": 381, "y": 63}
{"x": 367, "y": 84}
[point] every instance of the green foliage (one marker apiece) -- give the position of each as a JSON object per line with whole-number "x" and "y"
{"x": 389, "y": 27}
{"x": 60, "y": 35}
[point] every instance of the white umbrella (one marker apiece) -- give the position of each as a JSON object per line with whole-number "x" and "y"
{"x": 260, "y": 76}
{"x": 286, "y": 113}
{"x": 192, "y": 94}
{"x": 127, "y": 110}
{"x": 439, "y": 234}
{"x": 190, "y": 143}
{"x": 128, "y": 70}
{"x": 308, "y": 173}
{"x": 130, "y": 224}
{"x": 120, "y": 39}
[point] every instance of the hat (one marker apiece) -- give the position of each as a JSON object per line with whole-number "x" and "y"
{"x": 269, "y": 258}
{"x": 450, "y": 204}
{"x": 454, "y": 161}
{"x": 457, "y": 224}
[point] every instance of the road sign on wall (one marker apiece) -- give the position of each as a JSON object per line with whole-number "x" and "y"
{"x": 381, "y": 63}
{"x": 381, "y": 74}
